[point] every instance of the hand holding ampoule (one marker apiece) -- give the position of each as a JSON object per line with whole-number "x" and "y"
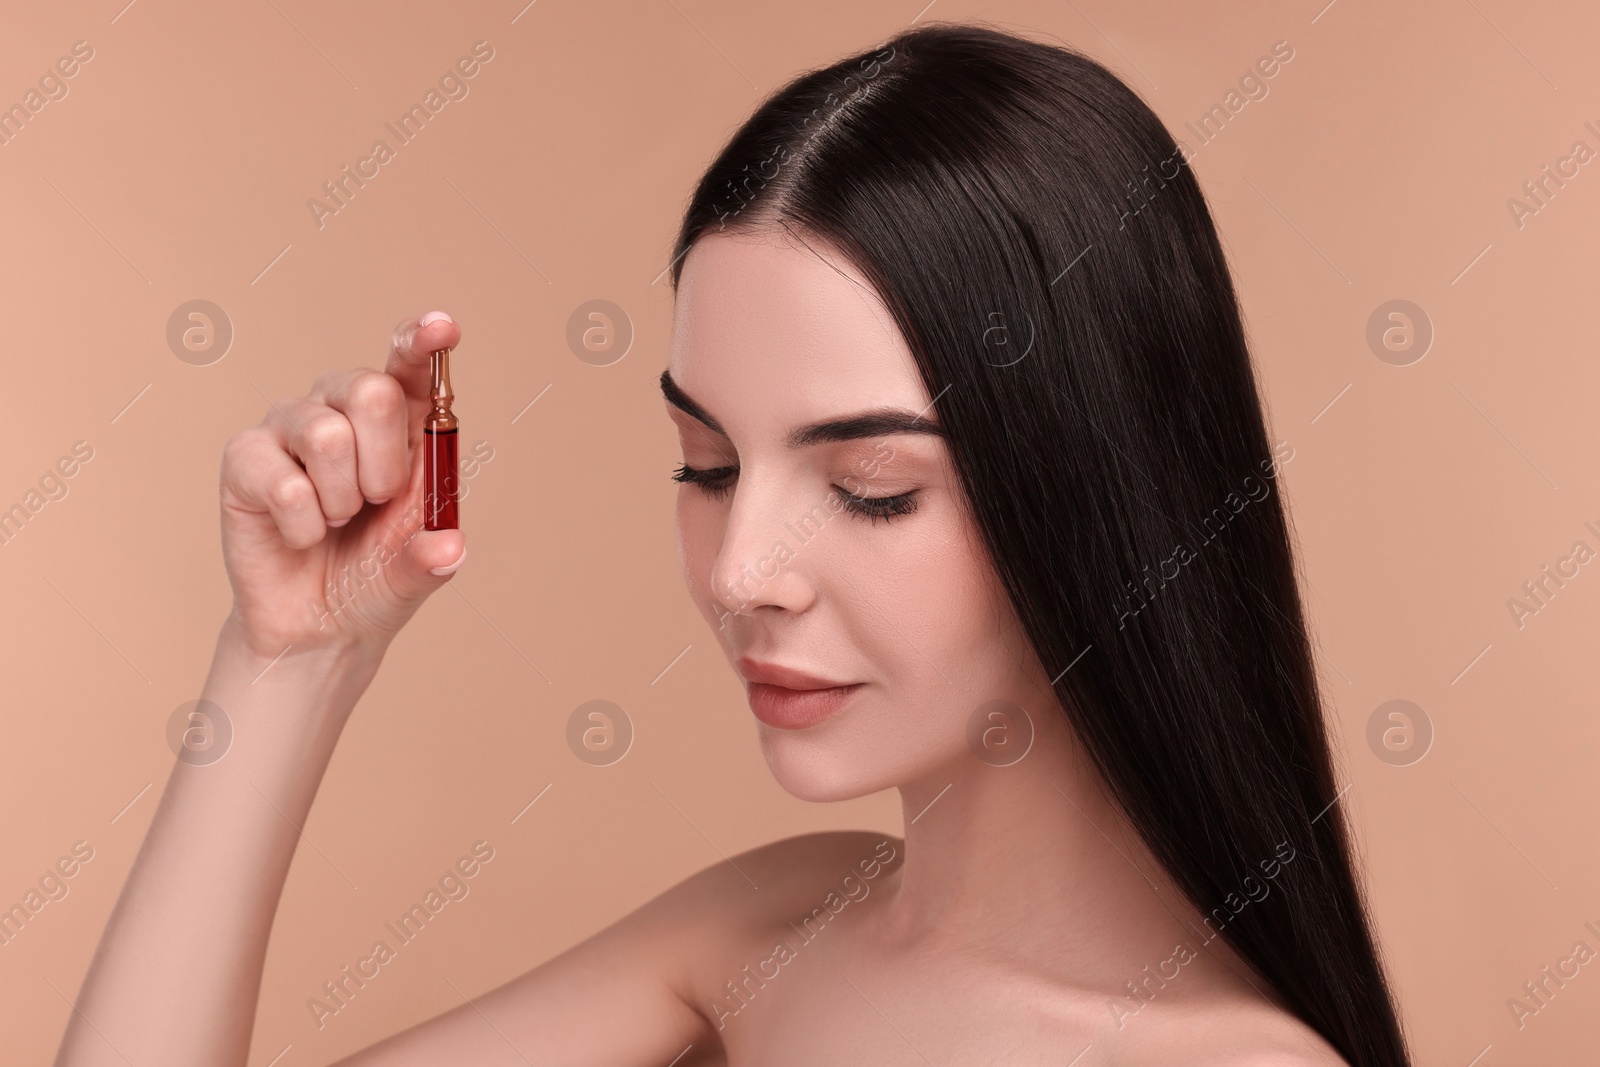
{"x": 329, "y": 533}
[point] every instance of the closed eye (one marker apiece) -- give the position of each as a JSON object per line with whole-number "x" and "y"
{"x": 717, "y": 482}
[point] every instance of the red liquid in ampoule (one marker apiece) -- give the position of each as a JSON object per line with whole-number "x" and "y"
{"x": 441, "y": 509}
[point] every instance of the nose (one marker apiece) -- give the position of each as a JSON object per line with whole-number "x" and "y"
{"x": 764, "y": 557}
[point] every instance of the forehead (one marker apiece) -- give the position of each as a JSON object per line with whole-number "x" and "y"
{"x": 769, "y": 332}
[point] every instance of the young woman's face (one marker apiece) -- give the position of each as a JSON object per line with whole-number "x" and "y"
{"x": 769, "y": 337}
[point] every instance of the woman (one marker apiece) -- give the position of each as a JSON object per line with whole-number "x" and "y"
{"x": 977, "y": 498}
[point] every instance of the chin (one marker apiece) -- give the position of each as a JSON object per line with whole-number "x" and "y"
{"x": 821, "y": 766}
{"x": 813, "y": 766}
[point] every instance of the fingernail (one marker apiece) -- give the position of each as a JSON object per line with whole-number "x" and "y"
{"x": 341, "y": 522}
{"x": 451, "y": 569}
{"x": 377, "y": 503}
{"x": 435, "y": 316}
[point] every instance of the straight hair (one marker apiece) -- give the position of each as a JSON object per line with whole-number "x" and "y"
{"x": 1051, "y": 261}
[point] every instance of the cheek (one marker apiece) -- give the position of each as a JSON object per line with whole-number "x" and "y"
{"x": 699, "y": 540}
{"x": 931, "y": 618}
{"x": 931, "y": 600}
{"x": 950, "y": 571}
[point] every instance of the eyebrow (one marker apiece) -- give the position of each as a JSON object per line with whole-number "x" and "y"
{"x": 875, "y": 422}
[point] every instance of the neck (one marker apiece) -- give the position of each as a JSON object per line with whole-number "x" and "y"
{"x": 1033, "y": 860}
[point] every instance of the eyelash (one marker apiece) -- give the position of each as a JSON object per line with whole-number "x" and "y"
{"x": 715, "y": 483}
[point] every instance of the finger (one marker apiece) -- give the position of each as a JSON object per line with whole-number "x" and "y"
{"x": 414, "y": 340}
{"x": 324, "y": 442}
{"x": 428, "y": 557}
{"x": 259, "y": 476}
{"x": 375, "y": 405}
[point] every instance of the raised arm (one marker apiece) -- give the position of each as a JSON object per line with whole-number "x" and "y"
{"x": 329, "y": 485}
{"x": 177, "y": 973}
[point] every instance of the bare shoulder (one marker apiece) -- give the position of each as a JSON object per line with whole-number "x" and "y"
{"x": 731, "y": 906}
{"x": 1232, "y": 1031}
{"x": 796, "y": 854}
{"x": 776, "y": 879}
{"x": 805, "y": 862}
{"x": 652, "y": 967}
{"x": 711, "y": 923}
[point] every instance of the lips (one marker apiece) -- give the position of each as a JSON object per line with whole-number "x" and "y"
{"x": 786, "y": 677}
{"x": 796, "y": 709}
{"x": 788, "y": 698}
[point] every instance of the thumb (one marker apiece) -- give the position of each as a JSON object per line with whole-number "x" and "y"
{"x": 427, "y": 558}
{"x": 426, "y": 561}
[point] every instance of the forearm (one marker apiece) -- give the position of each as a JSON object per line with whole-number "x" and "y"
{"x": 178, "y": 971}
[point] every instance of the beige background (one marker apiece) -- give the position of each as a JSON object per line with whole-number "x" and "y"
{"x": 1378, "y": 167}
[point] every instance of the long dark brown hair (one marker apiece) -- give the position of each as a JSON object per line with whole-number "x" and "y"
{"x": 1051, "y": 261}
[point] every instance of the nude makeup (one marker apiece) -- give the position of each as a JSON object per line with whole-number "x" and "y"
{"x": 796, "y": 709}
